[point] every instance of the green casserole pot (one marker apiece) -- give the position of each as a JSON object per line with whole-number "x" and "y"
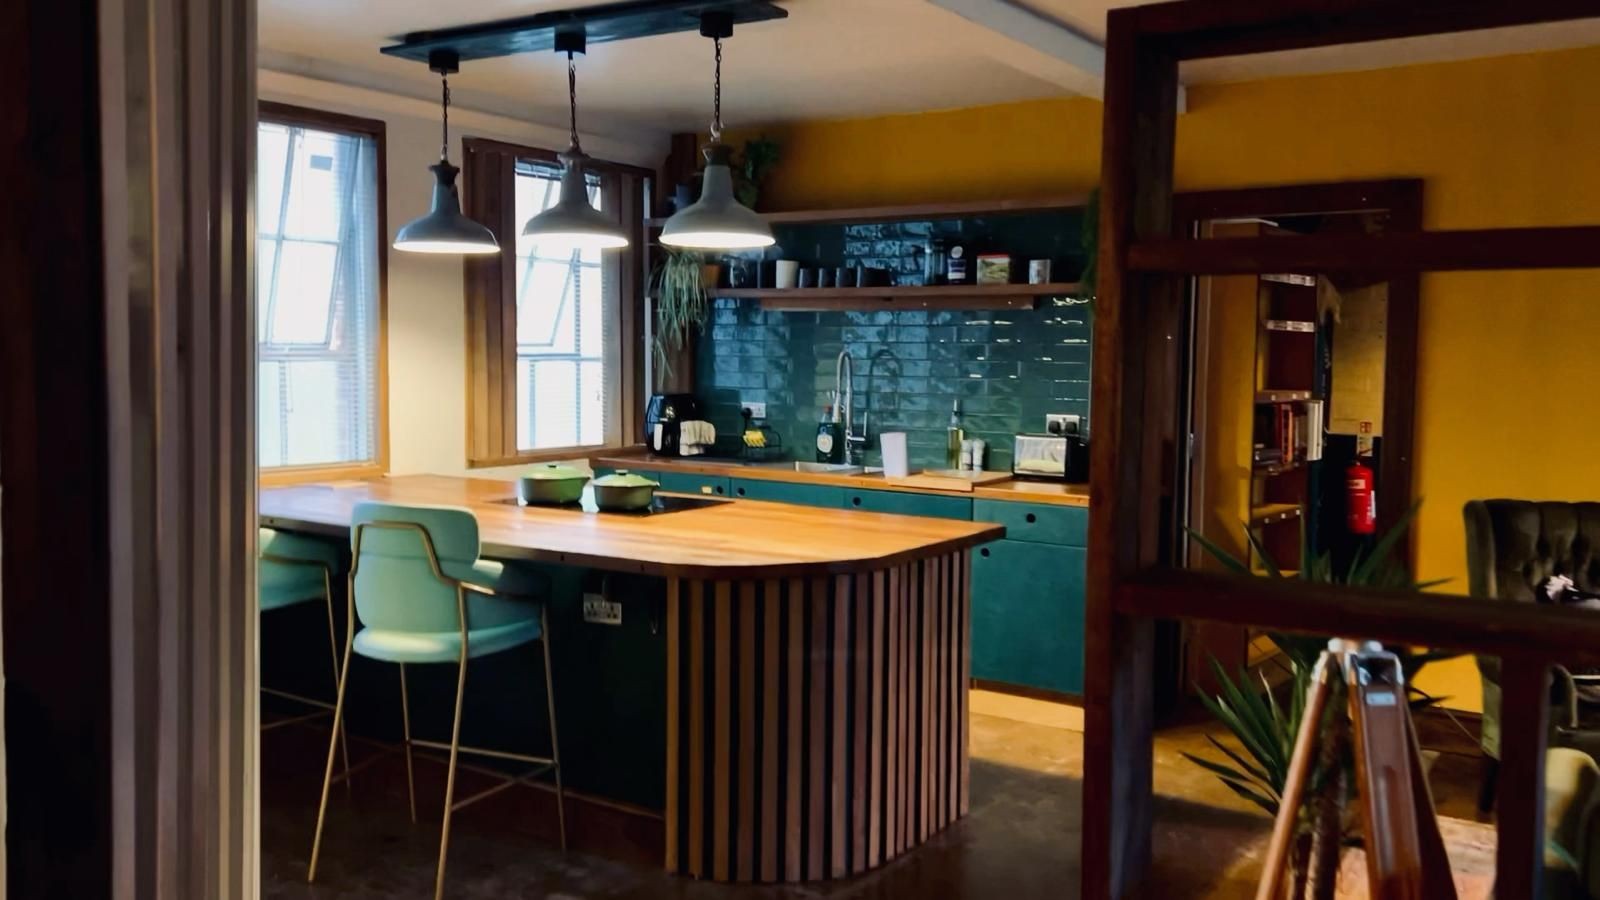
{"x": 624, "y": 491}
{"x": 551, "y": 483}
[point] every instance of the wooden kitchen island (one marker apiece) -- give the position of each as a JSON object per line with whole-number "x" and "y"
{"x": 816, "y": 663}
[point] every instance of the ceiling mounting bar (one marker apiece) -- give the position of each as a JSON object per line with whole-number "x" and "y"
{"x": 599, "y": 24}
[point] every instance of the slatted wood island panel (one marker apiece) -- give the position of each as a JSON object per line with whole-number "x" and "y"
{"x": 816, "y": 727}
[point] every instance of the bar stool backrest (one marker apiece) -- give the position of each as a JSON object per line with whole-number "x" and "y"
{"x": 395, "y": 551}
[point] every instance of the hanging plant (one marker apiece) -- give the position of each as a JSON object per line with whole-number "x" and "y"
{"x": 681, "y": 304}
{"x": 1090, "y": 242}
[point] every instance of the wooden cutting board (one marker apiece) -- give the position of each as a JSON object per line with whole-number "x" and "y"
{"x": 957, "y": 480}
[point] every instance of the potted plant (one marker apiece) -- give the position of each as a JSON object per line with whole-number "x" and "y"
{"x": 1266, "y": 728}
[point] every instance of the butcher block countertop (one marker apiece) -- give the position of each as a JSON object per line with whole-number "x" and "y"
{"x": 1060, "y": 493}
{"x": 724, "y": 539}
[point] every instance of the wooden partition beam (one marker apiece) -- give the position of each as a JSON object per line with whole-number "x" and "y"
{"x": 1135, "y": 388}
{"x": 1573, "y": 247}
{"x": 1519, "y": 811}
{"x": 1136, "y": 204}
{"x": 1214, "y": 28}
{"x": 1468, "y": 624}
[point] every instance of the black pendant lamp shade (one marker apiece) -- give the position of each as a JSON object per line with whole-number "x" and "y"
{"x": 573, "y": 223}
{"x": 444, "y": 229}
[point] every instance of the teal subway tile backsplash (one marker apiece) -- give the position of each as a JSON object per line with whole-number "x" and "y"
{"x": 1009, "y": 368}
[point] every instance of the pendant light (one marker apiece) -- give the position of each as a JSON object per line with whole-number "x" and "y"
{"x": 717, "y": 221}
{"x": 572, "y": 223}
{"x": 444, "y": 229}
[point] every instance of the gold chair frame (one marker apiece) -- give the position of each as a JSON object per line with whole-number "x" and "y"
{"x": 542, "y": 764}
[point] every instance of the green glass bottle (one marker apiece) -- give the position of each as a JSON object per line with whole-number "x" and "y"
{"x": 954, "y": 435}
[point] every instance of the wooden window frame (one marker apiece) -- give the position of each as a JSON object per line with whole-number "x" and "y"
{"x": 1142, "y": 265}
{"x": 488, "y": 195}
{"x": 306, "y": 117}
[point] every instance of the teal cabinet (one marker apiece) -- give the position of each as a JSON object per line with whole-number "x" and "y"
{"x": 787, "y": 492}
{"x": 1027, "y": 615}
{"x": 908, "y": 504}
{"x": 1036, "y": 523}
{"x": 691, "y": 483}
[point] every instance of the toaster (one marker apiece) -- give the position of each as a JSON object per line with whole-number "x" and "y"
{"x": 1064, "y": 457}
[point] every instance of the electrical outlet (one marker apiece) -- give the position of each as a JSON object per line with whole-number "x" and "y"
{"x": 757, "y": 410}
{"x": 1061, "y": 423}
{"x": 600, "y": 611}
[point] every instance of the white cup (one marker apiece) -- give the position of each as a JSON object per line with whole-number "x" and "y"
{"x": 788, "y": 272}
{"x": 896, "y": 464}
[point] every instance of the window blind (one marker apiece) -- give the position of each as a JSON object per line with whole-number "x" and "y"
{"x": 317, "y": 296}
{"x": 563, "y": 327}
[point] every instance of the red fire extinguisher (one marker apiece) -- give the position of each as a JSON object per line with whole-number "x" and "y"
{"x": 1361, "y": 499}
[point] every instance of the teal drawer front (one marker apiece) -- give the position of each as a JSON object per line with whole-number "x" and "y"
{"x": 907, "y": 504}
{"x": 1027, "y": 615}
{"x": 787, "y": 492}
{"x": 691, "y": 483}
{"x": 1035, "y": 522}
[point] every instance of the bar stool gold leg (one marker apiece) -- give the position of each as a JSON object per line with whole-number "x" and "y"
{"x": 333, "y": 740}
{"x": 555, "y": 743}
{"x": 450, "y": 778}
{"x": 333, "y": 649}
{"x": 405, "y": 720}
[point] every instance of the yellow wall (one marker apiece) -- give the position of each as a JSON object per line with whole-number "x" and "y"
{"x": 1507, "y": 141}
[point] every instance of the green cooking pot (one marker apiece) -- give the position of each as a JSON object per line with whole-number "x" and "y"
{"x": 623, "y": 491}
{"x": 551, "y": 483}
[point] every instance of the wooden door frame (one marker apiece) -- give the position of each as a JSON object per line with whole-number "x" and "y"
{"x": 127, "y": 429}
{"x": 1131, "y": 582}
{"x": 1401, "y": 199}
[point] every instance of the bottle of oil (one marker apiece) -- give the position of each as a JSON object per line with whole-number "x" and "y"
{"x": 953, "y": 437}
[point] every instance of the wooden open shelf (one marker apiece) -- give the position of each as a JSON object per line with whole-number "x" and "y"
{"x": 1273, "y": 513}
{"x": 917, "y": 211}
{"x": 937, "y": 296}
{"x": 1282, "y": 396}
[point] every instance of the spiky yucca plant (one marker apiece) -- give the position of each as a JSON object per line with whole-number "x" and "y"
{"x": 1266, "y": 729}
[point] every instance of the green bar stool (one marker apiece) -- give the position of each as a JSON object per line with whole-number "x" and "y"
{"x": 424, "y": 596}
{"x": 293, "y": 569}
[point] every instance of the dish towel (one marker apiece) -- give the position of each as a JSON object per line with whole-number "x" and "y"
{"x": 695, "y": 437}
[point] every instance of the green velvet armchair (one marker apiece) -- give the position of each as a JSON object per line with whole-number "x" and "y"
{"x": 1512, "y": 547}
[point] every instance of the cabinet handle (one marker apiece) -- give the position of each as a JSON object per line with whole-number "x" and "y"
{"x": 719, "y": 489}
{"x": 1030, "y": 518}
{"x": 984, "y": 552}
{"x": 739, "y": 491}
{"x": 855, "y": 501}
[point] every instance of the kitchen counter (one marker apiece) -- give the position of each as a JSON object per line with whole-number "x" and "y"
{"x": 814, "y": 662}
{"x": 726, "y": 539}
{"x": 1059, "y": 493}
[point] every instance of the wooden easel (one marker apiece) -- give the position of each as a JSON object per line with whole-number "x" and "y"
{"x": 1405, "y": 852}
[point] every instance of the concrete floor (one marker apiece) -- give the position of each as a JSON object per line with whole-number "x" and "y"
{"x": 1020, "y": 840}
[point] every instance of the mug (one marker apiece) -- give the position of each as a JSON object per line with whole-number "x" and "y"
{"x": 786, "y": 271}
{"x": 824, "y": 278}
{"x": 808, "y": 278}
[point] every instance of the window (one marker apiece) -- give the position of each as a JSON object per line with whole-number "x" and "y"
{"x": 555, "y": 353}
{"x": 563, "y": 328}
{"x": 319, "y": 293}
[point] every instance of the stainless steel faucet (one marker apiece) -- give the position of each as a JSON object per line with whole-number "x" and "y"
{"x": 844, "y": 394}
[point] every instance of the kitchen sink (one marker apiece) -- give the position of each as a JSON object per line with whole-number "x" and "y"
{"x": 826, "y": 468}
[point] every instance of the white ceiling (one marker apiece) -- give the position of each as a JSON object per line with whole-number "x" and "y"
{"x": 828, "y": 59}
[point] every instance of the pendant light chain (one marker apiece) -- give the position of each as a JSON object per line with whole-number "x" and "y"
{"x": 444, "y": 143}
{"x": 572, "y": 99}
{"x": 716, "y": 98}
